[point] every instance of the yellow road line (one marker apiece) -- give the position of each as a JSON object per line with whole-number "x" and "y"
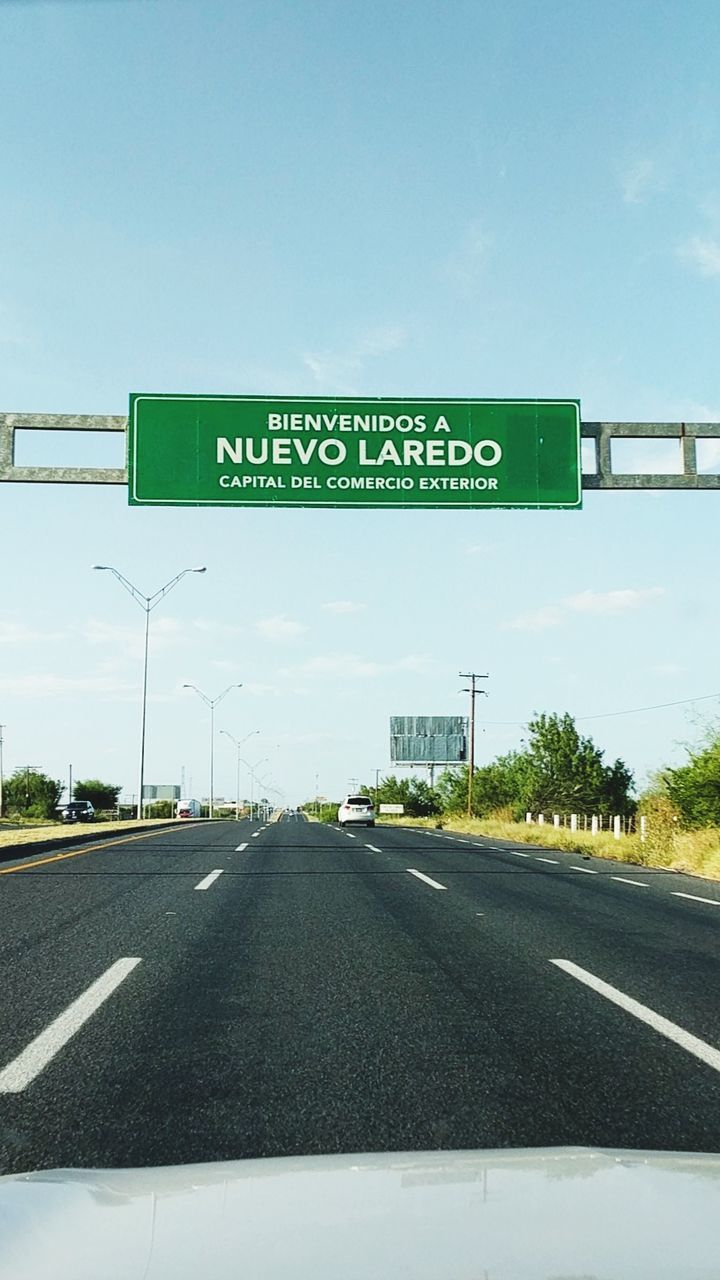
{"x": 88, "y": 848}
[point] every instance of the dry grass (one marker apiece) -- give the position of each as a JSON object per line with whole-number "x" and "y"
{"x": 696, "y": 852}
{"x": 69, "y": 831}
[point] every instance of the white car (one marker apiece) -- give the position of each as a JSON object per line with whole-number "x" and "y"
{"x": 357, "y": 809}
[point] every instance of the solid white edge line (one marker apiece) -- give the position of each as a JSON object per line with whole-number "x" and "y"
{"x": 22, "y": 1070}
{"x": 210, "y": 879}
{"x": 705, "y": 1052}
{"x": 695, "y": 898}
{"x": 427, "y": 879}
{"x": 641, "y": 884}
{"x": 241, "y": 847}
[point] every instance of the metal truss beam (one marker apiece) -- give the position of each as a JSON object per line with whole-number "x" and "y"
{"x": 601, "y": 433}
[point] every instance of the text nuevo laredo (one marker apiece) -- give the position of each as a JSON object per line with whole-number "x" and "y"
{"x": 279, "y": 452}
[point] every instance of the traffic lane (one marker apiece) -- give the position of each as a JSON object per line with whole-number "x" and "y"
{"x": 351, "y": 1011}
{"x": 451, "y": 853}
{"x": 62, "y": 1122}
{"x": 65, "y": 923}
{"x": 660, "y": 949}
{"x": 132, "y": 852}
{"x": 324, "y": 849}
{"x": 679, "y": 884}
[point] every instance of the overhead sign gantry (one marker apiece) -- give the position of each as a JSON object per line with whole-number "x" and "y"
{"x": 508, "y": 453}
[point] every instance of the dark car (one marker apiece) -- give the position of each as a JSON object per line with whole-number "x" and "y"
{"x": 77, "y": 811}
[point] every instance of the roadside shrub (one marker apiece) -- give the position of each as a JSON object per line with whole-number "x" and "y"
{"x": 663, "y": 823}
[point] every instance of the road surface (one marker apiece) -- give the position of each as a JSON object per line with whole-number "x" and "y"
{"x": 225, "y": 990}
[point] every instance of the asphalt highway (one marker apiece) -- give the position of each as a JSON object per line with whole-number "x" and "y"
{"x": 225, "y": 990}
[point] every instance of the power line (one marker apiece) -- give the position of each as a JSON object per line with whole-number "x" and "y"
{"x": 605, "y": 715}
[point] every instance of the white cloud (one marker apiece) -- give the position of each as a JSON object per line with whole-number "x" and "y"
{"x": 481, "y": 548}
{"x": 340, "y": 370}
{"x": 20, "y": 633}
{"x": 210, "y": 626}
{"x": 598, "y": 603}
{"x": 639, "y": 180}
{"x": 343, "y": 606}
{"x": 537, "y": 619}
{"x": 668, "y": 669}
{"x": 465, "y": 267}
{"x": 604, "y": 602}
{"x": 703, "y": 253}
{"x": 261, "y": 689}
{"x": 349, "y": 666}
{"x": 49, "y": 685}
{"x": 12, "y": 332}
{"x": 164, "y": 633}
{"x": 280, "y": 629}
{"x": 708, "y": 455}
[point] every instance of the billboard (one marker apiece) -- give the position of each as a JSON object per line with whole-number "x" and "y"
{"x": 428, "y": 740}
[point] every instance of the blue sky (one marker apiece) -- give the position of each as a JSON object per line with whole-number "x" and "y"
{"x": 467, "y": 199}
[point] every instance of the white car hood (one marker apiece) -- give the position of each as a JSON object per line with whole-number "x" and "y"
{"x": 557, "y": 1214}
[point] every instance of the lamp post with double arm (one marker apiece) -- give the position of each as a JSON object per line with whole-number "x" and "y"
{"x": 147, "y": 603}
{"x": 212, "y": 703}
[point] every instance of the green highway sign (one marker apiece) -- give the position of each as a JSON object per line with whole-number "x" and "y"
{"x": 285, "y": 451}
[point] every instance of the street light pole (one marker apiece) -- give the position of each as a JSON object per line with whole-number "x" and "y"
{"x": 147, "y": 603}
{"x": 251, "y": 769}
{"x": 212, "y": 703}
{"x": 238, "y": 744}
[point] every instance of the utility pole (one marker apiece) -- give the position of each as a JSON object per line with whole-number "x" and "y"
{"x": 2, "y": 726}
{"x": 473, "y": 690}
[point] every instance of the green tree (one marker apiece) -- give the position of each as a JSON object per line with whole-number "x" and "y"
{"x": 31, "y": 794}
{"x": 694, "y": 788}
{"x": 418, "y": 798}
{"x": 564, "y": 771}
{"x": 498, "y": 785}
{"x": 158, "y": 808}
{"x": 102, "y": 795}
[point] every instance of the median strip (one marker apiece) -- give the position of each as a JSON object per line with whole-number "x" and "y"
{"x": 205, "y": 884}
{"x": 698, "y": 1048}
{"x": 433, "y": 883}
{"x": 19, "y": 1073}
{"x": 87, "y": 848}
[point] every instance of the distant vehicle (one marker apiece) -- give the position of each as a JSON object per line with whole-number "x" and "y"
{"x": 77, "y": 811}
{"x": 189, "y": 809}
{"x": 357, "y": 809}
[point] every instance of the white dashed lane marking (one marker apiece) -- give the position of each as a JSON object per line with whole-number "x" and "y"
{"x": 19, "y": 1073}
{"x": 433, "y": 883}
{"x": 713, "y": 902}
{"x": 705, "y": 1052}
{"x": 210, "y": 879}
